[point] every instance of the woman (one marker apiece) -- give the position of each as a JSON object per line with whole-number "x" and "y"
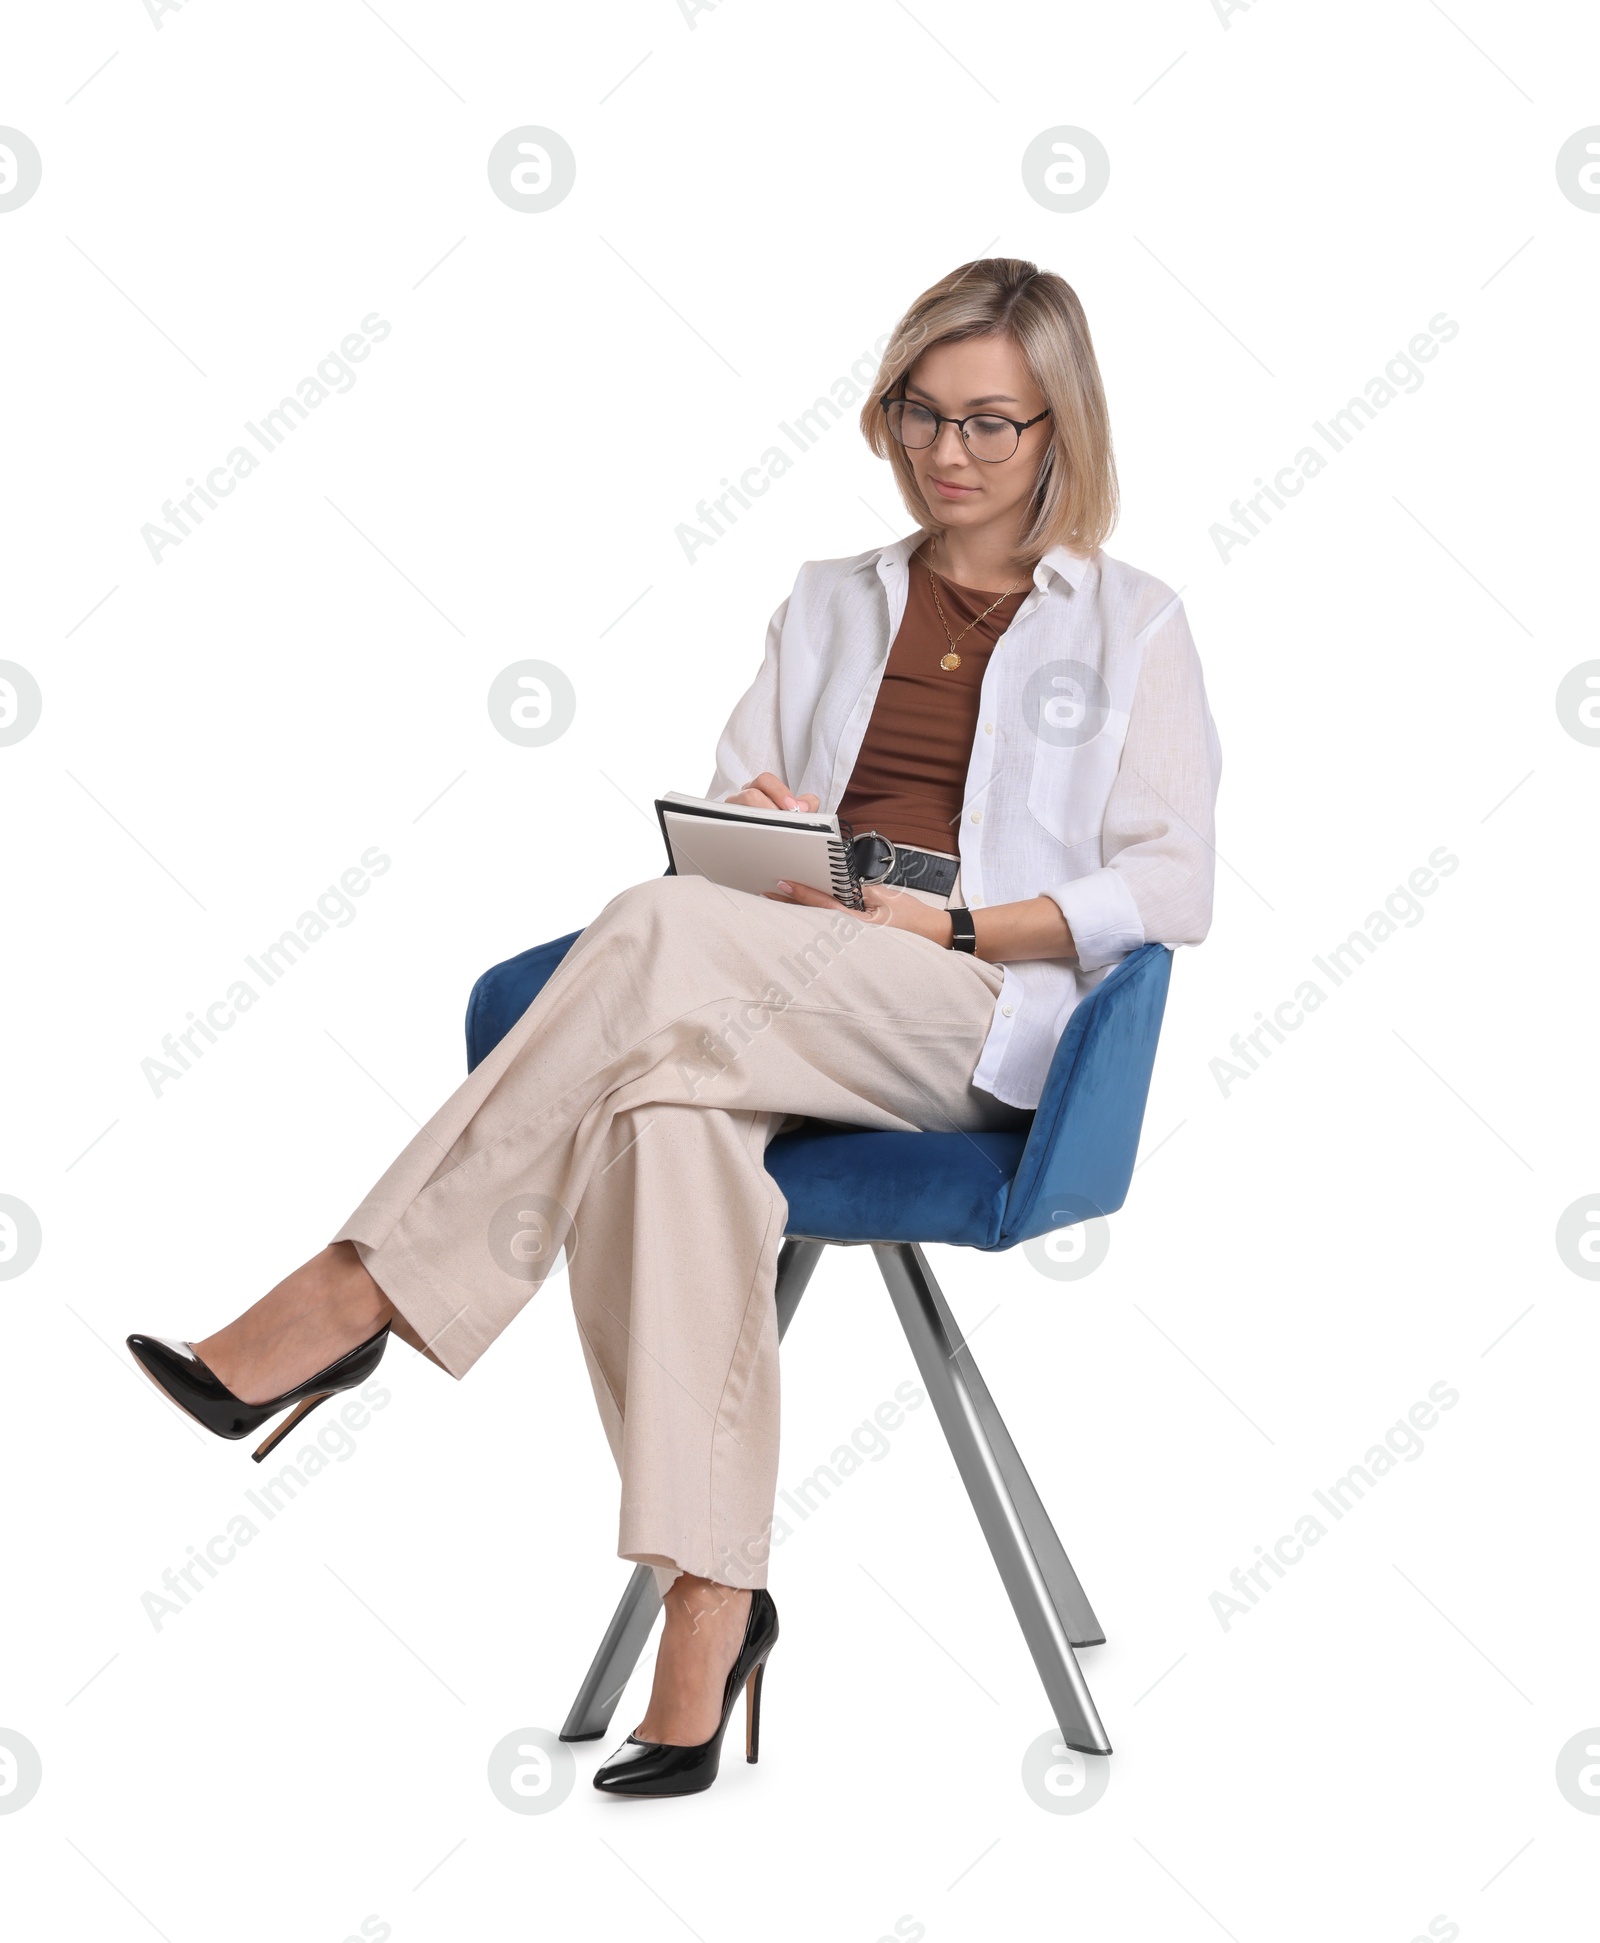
{"x": 1016, "y": 726}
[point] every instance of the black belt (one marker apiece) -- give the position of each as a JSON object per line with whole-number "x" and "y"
{"x": 878, "y": 861}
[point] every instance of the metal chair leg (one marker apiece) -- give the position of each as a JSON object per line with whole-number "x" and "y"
{"x": 612, "y": 1667}
{"x": 1066, "y": 1589}
{"x": 1013, "y": 1520}
{"x": 635, "y": 1616}
{"x": 797, "y": 1258}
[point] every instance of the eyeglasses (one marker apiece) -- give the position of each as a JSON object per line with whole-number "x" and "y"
{"x": 986, "y": 436}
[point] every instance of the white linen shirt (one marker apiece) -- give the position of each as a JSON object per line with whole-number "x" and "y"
{"x": 1093, "y": 774}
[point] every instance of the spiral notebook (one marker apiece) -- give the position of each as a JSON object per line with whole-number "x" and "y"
{"x": 749, "y": 850}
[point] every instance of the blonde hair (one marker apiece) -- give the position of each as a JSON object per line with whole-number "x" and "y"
{"x": 1075, "y": 501}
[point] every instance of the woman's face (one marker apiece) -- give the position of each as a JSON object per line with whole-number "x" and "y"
{"x": 977, "y": 375}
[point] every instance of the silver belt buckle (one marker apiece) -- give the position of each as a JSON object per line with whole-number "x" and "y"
{"x": 894, "y": 858}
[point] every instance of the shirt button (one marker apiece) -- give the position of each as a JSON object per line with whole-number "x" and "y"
{"x": 988, "y": 728}
{"x": 1006, "y": 1011}
{"x": 977, "y": 816}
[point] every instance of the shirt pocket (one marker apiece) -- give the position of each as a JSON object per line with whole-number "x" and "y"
{"x": 1076, "y": 736}
{"x": 1053, "y": 800}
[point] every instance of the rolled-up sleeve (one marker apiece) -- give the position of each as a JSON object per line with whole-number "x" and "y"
{"x": 1158, "y": 863}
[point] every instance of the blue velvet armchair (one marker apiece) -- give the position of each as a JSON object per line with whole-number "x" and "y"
{"x": 895, "y": 1192}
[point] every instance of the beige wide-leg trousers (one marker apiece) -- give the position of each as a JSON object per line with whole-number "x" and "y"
{"x": 625, "y": 1118}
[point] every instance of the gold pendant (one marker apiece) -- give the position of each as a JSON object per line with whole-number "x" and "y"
{"x": 950, "y": 660}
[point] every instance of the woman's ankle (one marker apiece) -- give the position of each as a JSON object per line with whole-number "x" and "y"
{"x": 700, "y": 1641}
{"x": 693, "y": 1601}
{"x": 351, "y": 1290}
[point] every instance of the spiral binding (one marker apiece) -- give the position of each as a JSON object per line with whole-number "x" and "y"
{"x": 845, "y": 879}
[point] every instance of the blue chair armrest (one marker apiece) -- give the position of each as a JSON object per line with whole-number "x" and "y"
{"x": 1080, "y": 1152}
{"x": 506, "y": 991}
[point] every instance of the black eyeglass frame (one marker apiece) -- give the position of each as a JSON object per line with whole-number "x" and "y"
{"x": 1018, "y": 425}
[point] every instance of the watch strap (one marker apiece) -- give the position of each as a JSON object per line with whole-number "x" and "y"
{"x": 963, "y": 932}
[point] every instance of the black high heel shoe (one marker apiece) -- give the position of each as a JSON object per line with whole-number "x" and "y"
{"x": 209, "y": 1401}
{"x": 657, "y": 1767}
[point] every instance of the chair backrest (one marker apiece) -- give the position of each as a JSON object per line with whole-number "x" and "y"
{"x": 1080, "y": 1151}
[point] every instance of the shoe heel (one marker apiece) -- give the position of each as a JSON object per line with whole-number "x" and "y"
{"x": 276, "y": 1437}
{"x": 752, "y": 1713}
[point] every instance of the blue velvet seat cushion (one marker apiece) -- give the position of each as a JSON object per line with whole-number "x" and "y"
{"x": 856, "y": 1184}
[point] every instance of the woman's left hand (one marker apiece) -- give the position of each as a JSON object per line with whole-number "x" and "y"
{"x": 887, "y": 905}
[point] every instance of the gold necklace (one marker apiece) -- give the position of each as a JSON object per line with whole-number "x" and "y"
{"x": 952, "y": 659}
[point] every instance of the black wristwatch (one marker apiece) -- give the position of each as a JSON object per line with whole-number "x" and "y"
{"x": 963, "y": 932}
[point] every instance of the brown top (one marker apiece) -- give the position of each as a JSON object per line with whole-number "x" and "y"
{"x": 912, "y": 769}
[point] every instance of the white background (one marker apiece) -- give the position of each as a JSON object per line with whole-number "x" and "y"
{"x": 1293, "y": 195}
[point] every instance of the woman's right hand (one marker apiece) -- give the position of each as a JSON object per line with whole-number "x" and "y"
{"x": 769, "y": 792}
